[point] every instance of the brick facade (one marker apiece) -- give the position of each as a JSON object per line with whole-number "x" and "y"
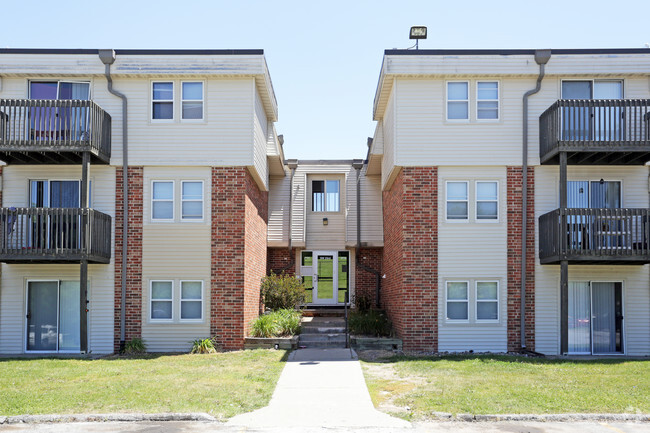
{"x": 281, "y": 259}
{"x": 365, "y": 281}
{"x": 410, "y": 259}
{"x": 514, "y": 194}
{"x": 238, "y": 258}
{"x": 133, "y": 305}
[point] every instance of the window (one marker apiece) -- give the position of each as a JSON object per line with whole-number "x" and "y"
{"x": 487, "y": 201}
{"x": 487, "y": 100}
{"x": 192, "y": 200}
{"x": 162, "y": 300}
{"x": 487, "y": 300}
{"x": 192, "y": 100}
{"x": 457, "y": 300}
{"x": 162, "y": 101}
{"x": 191, "y": 300}
{"x": 457, "y": 201}
{"x": 325, "y": 196}
{"x": 458, "y": 100}
{"x": 162, "y": 200}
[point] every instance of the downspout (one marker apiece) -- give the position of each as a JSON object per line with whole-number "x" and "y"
{"x": 108, "y": 58}
{"x": 293, "y": 164}
{"x": 541, "y": 58}
{"x": 358, "y": 165}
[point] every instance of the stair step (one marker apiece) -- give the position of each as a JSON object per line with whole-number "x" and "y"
{"x": 312, "y": 338}
{"x": 322, "y": 330}
{"x": 323, "y": 345}
{"x": 323, "y": 312}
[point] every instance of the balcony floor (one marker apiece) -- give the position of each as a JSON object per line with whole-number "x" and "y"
{"x": 39, "y": 155}
{"x": 592, "y": 260}
{"x": 597, "y": 154}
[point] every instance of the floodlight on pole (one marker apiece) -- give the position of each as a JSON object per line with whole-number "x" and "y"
{"x": 417, "y": 33}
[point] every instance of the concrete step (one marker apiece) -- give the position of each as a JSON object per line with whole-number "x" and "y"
{"x": 322, "y": 345}
{"x": 323, "y": 312}
{"x": 310, "y": 338}
{"x": 319, "y": 322}
{"x": 322, "y": 330}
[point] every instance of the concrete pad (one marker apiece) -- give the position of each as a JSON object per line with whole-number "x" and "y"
{"x": 320, "y": 388}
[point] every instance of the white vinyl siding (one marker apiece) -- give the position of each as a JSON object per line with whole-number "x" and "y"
{"x": 279, "y": 218}
{"x": 259, "y": 136}
{"x": 635, "y": 279}
{"x": 388, "y": 169}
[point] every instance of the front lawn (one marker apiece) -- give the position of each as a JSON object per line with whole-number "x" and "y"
{"x": 417, "y": 387}
{"x": 221, "y": 384}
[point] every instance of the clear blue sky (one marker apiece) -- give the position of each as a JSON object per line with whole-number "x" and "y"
{"x": 324, "y": 57}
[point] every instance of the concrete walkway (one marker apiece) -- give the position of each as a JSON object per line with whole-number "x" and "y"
{"x": 320, "y": 388}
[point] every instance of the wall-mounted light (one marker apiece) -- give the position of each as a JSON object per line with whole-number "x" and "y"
{"x": 325, "y": 222}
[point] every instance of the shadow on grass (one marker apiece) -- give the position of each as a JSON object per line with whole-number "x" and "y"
{"x": 488, "y": 358}
{"x": 145, "y": 356}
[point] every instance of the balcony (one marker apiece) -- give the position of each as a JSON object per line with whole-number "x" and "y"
{"x": 595, "y": 236}
{"x": 596, "y": 131}
{"x": 54, "y": 235}
{"x": 39, "y": 131}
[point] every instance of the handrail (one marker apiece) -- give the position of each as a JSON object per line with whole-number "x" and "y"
{"x": 57, "y": 125}
{"x": 54, "y": 232}
{"x": 594, "y": 233}
{"x": 573, "y": 123}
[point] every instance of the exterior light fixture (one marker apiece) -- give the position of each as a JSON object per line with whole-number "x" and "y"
{"x": 325, "y": 222}
{"x": 417, "y": 33}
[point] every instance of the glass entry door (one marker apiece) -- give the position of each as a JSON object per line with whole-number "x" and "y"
{"x": 326, "y": 275}
{"x": 595, "y": 318}
{"x": 53, "y": 316}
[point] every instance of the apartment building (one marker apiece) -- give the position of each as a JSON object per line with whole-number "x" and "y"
{"x": 464, "y": 139}
{"x": 136, "y": 182}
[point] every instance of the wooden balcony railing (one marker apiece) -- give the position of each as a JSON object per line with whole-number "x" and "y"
{"x": 596, "y": 131}
{"x": 39, "y": 235}
{"x": 36, "y": 131}
{"x": 595, "y": 236}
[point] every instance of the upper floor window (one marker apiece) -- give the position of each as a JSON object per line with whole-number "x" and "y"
{"x": 487, "y": 200}
{"x": 487, "y": 100}
{"x": 162, "y": 200}
{"x": 192, "y": 100}
{"x": 162, "y": 101}
{"x": 458, "y": 100}
{"x": 457, "y": 201}
{"x": 192, "y": 200}
{"x": 325, "y": 196}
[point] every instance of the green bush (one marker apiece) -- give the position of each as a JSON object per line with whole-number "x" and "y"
{"x": 205, "y": 345}
{"x": 282, "y": 292}
{"x": 370, "y": 322}
{"x": 134, "y": 346}
{"x": 363, "y": 303}
{"x": 280, "y": 323}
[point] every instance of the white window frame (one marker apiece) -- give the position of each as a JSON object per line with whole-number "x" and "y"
{"x": 181, "y": 300}
{"x": 476, "y": 201}
{"x": 202, "y": 100}
{"x": 151, "y": 301}
{"x": 153, "y": 101}
{"x": 447, "y": 200}
{"x": 202, "y": 200}
{"x": 469, "y": 114}
{"x": 477, "y": 301}
{"x": 173, "y": 200}
{"x": 478, "y": 119}
{"x": 447, "y": 301}
{"x": 325, "y": 209}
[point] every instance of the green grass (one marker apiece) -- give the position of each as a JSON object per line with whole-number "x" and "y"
{"x": 501, "y": 384}
{"x": 221, "y": 384}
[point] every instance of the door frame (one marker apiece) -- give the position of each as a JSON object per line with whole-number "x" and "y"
{"x": 58, "y": 318}
{"x": 591, "y": 320}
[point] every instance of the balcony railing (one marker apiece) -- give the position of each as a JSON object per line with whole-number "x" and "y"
{"x": 596, "y": 131}
{"x": 56, "y": 235}
{"x": 595, "y": 236}
{"x": 34, "y": 131}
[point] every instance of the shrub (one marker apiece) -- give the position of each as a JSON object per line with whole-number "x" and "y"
{"x": 282, "y": 291}
{"x": 205, "y": 345}
{"x": 134, "y": 346}
{"x": 363, "y": 303}
{"x": 371, "y": 322}
{"x": 280, "y": 323}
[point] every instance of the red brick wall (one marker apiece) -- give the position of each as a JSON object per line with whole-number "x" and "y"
{"x": 366, "y": 282}
{"x": 239, "y": 217}
{"x": 410, "y": 260}
{"x": 133, "y": 304}
{"x": 279, "y": 259}
{"x": 515, "y": 188}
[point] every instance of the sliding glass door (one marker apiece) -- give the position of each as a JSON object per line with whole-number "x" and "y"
{"x": 584, "y": 121}
{"x": 595, "y": 318}
{"x": 53, "y": 316}
{"x": 51, "y": 123}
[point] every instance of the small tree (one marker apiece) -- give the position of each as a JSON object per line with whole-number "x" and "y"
{"x": 282, "y": 291}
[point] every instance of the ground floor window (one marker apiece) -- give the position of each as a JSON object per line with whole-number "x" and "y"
{"x": 53, "y": 317}
{"x": 595, "y": 317}
{"x": 176, "y": 301}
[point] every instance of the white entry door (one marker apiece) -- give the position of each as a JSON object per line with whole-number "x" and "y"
{"x": 326, "y": 275}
